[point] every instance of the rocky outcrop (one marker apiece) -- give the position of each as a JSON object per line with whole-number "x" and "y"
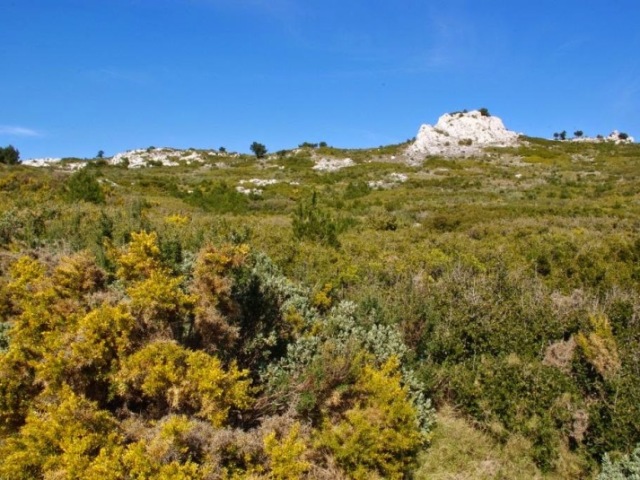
{"x": 55, "y": 162}
{"x": 461, "y": 134}
{"x": 332, "y": 164}
{"x": 166, "y": 157}
{"x": 615, "y": 137}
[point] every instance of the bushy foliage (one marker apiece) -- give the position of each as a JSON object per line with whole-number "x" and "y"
{"x": 218, "y": 197}
{"x": 626, "y": 468}
{"x": 83, "y": 186}
{"x": 9, "y": 155}
{"x": 151, "y": 374}
{"x": 286, "y": 456}
{"x": 258, "y": 149}
{"x": 310, "y": 221}
{"x": 509, "y": 283}
{"x": 167, "y": 378}
{"x": 377, "y": 436}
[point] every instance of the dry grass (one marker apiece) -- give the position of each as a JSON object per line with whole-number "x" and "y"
{"x": 460, "y": 451}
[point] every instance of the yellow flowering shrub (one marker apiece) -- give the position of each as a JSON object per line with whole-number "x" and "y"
{"x": 139, "y": 259}
{"x": 172, "y": 379}
{"x": 159, "y": 301}
{"x": 59, "y": 440}
{"x": 286, "y": 455}
{"x": 379, "y": 435}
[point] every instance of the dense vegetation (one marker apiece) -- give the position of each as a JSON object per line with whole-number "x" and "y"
{"x": 157, "y": 323}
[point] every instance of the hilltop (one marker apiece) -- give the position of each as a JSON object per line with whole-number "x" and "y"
{"x": 461, "y": 134}
{"x": 455, "y": 135}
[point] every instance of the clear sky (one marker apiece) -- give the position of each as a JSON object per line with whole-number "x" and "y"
{"x": 86, "y": 75}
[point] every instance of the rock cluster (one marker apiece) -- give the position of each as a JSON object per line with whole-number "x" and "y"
{"x": 614, "y": 136}
{"x": 332, "y": 164}
{"x": 54, "y": 162}
{"x": 167, "y": 157}
{"x": 460, "y": 134}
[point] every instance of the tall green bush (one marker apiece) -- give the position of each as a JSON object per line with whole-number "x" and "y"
{"x": 84, "y": 186}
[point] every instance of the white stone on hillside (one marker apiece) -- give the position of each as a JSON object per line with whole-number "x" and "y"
{"x": 460, "y": 134}
{"x": 260, "y": 182}
{"x": 167, "y": 157}
{"x": 392, "y": 180}
{"x": 613, "y": 137}
{"x": 54, "y": 162}
{"x": 332, "y": 165}
{"x": 41, "y": 162}
{"x": 248, "y": 191}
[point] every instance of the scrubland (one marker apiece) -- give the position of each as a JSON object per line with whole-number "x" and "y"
{"x": 462, "y": 318}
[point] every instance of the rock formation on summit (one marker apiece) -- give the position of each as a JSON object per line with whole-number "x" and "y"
{"x": 461, "y": 134}
{"x": 615, "y": 137}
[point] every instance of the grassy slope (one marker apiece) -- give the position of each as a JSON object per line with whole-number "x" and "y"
{"x": 565, "y": 204}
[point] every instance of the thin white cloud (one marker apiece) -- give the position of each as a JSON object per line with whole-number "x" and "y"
{"x": 570, "y": 46}
{"x": 16, "y": 131}
{"x": 118, "y": 75}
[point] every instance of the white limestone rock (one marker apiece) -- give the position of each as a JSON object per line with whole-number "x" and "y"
{"x": 615, "y": 137}
{"x": 41, "y": 162}
{"x": 332, "y": 165}
{"x": 167, "y": 157}
{"x": 612, "y": 137}
{"x": 390, "y": 181}
{"x": 259, "y": 182}
{"x": 54, "y": 162}
{"x": 460, "y": 134}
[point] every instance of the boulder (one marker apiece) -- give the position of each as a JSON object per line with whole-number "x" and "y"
{"x": 461, "y": 134}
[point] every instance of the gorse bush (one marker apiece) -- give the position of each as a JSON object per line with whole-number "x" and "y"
{"x": 147, "y": 373}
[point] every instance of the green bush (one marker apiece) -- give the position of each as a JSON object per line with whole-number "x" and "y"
{"x": 626, "y": 468}
{"x": 537, "y": 401}
{"x": 312, "y": 222}
{"x": 217, "y": 197}
{"x": 9, "y": 155}
{"x": 258, "y": 149}
{"x": 83, "y": 186}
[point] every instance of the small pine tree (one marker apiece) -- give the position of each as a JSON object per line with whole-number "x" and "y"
{"x": 578, "y": 133}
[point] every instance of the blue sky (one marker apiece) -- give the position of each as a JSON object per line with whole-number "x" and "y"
{"x": 87, "y": 75}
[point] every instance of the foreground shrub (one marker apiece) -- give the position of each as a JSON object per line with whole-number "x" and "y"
{"x": 224, "y": 370}
{"x": 626, "y": 468}
{"x": 377, "y": 436}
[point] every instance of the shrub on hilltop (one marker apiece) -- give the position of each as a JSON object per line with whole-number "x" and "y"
{"x": 9, "y": 155}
